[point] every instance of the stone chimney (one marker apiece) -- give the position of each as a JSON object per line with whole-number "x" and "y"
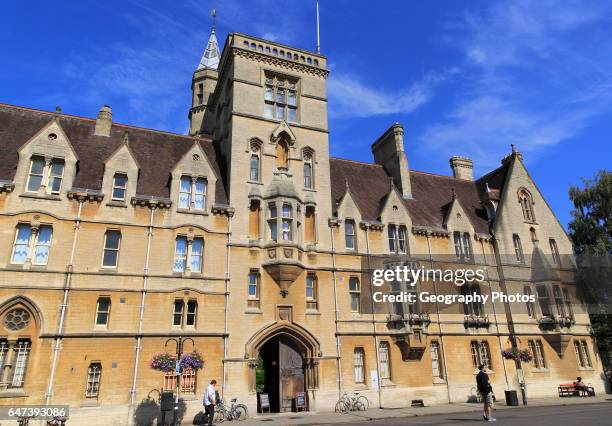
{"x": 389, "y": 152}
{"x": 104, "y": 121}
{"x": 462, "y": 167}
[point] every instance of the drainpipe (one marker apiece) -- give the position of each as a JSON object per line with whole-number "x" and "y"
{"x": 380, "y": 400}
{"x": 230, "y": 215}
{"x": 442, "y": 347}
{"x": 60, "y": 325}
{"x": 511, "y": 331}
{"x": 143, "y": 294}
{"x": 494, "y": 313}
{"x": 339, "y": 362}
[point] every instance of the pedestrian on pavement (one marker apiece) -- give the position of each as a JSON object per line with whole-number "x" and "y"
{"x": 210, "y": 401}
{"x": 486, "y": 391}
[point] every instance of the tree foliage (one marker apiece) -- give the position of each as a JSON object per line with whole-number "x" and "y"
{"x": 591, "y": 233}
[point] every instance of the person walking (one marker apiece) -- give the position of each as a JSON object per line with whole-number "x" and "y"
{"x": 210, "y": 400}
{"x": 486, "y": 391}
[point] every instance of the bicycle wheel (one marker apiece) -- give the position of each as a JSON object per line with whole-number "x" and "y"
{"x": 220, "y": 414}
{"x": 364, "y": 401}
{"x": 241, "y": 412}
{"x": 358, "y": 406}
{"x": 341, "y": 407}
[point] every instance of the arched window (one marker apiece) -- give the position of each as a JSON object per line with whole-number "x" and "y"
{"x": 555, "y": 252}
{"x": 392, "y": 236}
{"x": 308, "y": 169}
{"x": 282, "y": 154}
{"x": 526, "y": 202}
{"x": 402, "y": 240}
{"x": 518, "y": 249}
{"x": 463, "y": 248}
{"x": 254, "y": 165}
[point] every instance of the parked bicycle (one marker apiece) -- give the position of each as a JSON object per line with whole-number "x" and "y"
{"x": 234, "y": 412}
{"x": 353, "y": 402}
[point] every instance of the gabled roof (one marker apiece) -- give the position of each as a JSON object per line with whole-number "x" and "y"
{"x": 432, "y": 194}
{"x": 156, "y": 152}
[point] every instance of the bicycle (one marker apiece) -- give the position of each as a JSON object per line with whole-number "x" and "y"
{"x": 234, "y": 412}
{"x": 355, "y": 402}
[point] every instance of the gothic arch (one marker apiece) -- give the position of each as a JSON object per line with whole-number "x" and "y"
{"x": 27, "y": 304}
{"x": 303, "y": 339}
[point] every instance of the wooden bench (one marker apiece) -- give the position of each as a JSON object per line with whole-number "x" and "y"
{"x": 570, "y": 389}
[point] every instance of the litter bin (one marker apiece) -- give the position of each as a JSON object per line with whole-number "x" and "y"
{"x": 511, "y": 398}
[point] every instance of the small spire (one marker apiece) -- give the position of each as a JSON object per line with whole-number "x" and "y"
{"x": 453, "y": 193}
{"x": 513, "y": 148}
{"x": 391, "y": 182}
{"x": 210, "y": 59}
{"x": 346, "y": 184}
{"x": 126, "y": 137}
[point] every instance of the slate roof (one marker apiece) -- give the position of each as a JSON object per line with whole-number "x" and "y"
{"x": 369, "y": 186}
{"x": 156, "y": 152}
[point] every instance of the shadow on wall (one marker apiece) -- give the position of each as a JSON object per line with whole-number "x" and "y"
{"x": 148, "y": 413}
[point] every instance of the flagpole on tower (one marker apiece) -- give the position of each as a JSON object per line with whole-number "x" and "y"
{"x": 318, "y": 34}
{"x": 213, "y": 15}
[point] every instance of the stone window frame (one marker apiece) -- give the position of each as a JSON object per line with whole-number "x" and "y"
{"x": 531, "y": 312}
{"x": 463, "y": 246}
{"x": 100, "y": 312}
{"x": 352, "y": 235}
{"x": 434, "y": 348}
{"x": 397, "y": 235}
{"x": 254, "y": 300}
{"x": 116, "y": 186}
{"x": 20, "y": 350}
{"x": 94, "y": 378}
{"x": 46, "y": 177}
{"x": 481, "y": 354}
{"x": 583, "y": 357}
{"x": 554, "y": 250}
{"x": 518, "y": 248}
{"x": 536, "y": 347}
{"x": 385, "y": 364}
{"x": 355, "y": 294}
{"x": 308, "y": 158}
{"x": 359, "y": 365}
{"x": 33, "y": 243}
{"x": 473, "y": 309}
{"x": 525, "y": 200}
{"x": 312, "y": 301}
{"x": 274, "y": 85}
{"x": 276, "y": 222}
{"x": 105, "y": 249}
{"x": 193, "y": 192}
{"x": 188, "y": 309}
{"x": 254, "y": 148}
{"x": 189, "y": 255}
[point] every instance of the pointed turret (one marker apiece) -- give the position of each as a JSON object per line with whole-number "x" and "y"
{"x": 211, "y": 56}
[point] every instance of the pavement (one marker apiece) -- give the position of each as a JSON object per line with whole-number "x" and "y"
{"x": 540, "y": 411}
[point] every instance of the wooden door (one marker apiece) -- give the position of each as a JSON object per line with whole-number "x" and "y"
{"x": 291, "y": 371}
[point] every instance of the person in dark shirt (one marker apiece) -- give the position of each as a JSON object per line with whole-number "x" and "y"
{"x": 486, "y": 391}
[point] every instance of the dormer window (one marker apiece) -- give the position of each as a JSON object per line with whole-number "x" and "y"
{"x": 463, "y": 249}
{"x": 47, "y": 174}
{"x": 192, "y": 194}
{"x": 119, "y": 186}
{"x": 280, "y": 99}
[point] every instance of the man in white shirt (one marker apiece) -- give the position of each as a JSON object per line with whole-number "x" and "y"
{"x": 210, "y": 401}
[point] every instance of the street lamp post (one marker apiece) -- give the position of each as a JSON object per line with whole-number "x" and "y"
{"x": 180, "y": 341}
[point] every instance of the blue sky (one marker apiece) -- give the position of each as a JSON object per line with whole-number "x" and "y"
{"x": 466, "y": 78}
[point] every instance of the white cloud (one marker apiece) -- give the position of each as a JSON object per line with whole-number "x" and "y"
{"x": 530, "y": 79}
{"x": 350, "y": 97}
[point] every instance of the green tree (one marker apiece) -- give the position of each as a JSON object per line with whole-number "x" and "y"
{"x": 591, "y": 232}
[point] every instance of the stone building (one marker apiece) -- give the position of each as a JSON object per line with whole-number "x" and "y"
{"x": 247, "y": 237}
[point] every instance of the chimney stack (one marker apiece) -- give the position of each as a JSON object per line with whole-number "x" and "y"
{"x": 388, "y": 151}
{"x": 462, "y": 167}
{"x": 104, "y": 121}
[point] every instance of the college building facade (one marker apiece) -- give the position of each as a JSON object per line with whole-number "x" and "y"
{"x": 247, "y": 237}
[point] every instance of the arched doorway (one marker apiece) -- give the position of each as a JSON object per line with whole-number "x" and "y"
{"x": 284, "y": 359}
{"x": 280, "y": 373}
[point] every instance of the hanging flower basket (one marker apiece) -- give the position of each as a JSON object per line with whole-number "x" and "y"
{"x": 524, "y": 355}
{"x": 163, "y": 362}
{"x": 192, "y": 361}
